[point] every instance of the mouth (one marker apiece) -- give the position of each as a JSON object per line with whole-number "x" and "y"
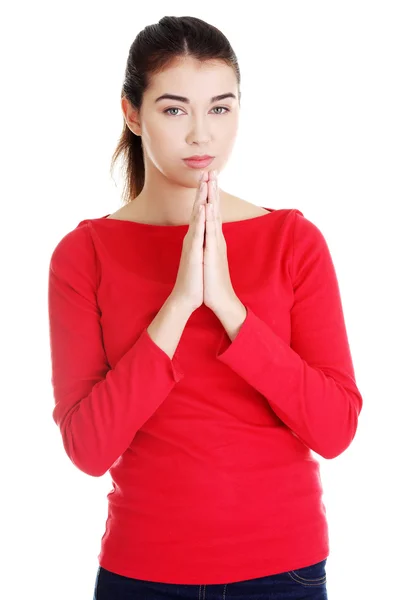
{"x": 198, "y": 162}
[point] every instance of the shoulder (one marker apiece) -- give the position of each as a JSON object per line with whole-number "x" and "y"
{"x": 306, "y": 232}
{"x": 75, "y": 254}
{"x": 311, "y": 254}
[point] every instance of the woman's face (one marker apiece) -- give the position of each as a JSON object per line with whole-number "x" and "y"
{"x": 173, "y": 129}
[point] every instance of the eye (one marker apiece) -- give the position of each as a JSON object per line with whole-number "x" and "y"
{"x": 166, "y": 111}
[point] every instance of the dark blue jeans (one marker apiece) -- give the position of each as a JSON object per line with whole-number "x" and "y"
{"x": 308, "y": 583}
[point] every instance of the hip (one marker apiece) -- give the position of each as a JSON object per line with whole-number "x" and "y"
{"x": 289, "y": 585}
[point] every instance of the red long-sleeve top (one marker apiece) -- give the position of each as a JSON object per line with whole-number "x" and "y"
{"x": 213, "y": 480}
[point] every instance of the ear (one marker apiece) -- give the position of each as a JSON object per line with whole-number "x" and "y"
{"x": 131, "y": 116}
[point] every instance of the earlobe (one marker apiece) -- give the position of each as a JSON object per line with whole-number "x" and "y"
{"x": 134, "y": 128}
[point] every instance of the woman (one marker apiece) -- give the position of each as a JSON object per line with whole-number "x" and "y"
{"x": 199, "y": 350}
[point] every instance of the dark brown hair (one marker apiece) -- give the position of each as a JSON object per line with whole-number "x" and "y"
{"x": 154, "y": 49}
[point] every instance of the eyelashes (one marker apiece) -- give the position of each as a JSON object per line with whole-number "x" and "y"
{"x": 166, "y": 111}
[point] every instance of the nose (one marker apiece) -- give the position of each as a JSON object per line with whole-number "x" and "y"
{"x": 199, "y": 133}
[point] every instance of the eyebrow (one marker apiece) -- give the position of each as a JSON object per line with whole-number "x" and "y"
{"x": 184, "y": 99}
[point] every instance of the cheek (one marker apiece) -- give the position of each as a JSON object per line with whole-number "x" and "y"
{"x": 159, "y": 143}
{"x": 228, "y": 130}
{"x": 227, "y": 141}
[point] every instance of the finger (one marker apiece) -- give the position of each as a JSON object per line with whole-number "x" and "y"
{"x": 199, "y": 214}
{"x": 210, "y": 190}
{"x": 213, "y": 220}
{"x": 216, "y": 198}
{"x": 199, "y": 223}
{"x": 217, "y": 205}
{"x": 210, "y": 226}
{"x": 199, "y": 192}
{"x": 203, "y": 204}
{"x": 201, "y": 195}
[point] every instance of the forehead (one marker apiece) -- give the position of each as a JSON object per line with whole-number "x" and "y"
{"x": 186, "y": 75}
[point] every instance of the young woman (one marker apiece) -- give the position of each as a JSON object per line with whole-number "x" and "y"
{"x": 199, "y": 350}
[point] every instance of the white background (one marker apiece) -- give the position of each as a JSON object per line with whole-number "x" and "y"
{"x": 319, "y": 131}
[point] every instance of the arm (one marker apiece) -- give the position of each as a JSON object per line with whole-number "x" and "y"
{"x": 310, "y": 384}
{"x": 167, "y": 326}
{"x": 98, "y": 409}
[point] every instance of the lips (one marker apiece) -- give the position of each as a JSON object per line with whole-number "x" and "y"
{"x": 198, "y": 163}
{"x": 198, "y": 157}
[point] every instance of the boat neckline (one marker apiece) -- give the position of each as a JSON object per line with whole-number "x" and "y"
{"x": 227, "y": 224}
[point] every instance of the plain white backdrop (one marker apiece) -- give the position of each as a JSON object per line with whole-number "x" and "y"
{"x": 319, "y": 131}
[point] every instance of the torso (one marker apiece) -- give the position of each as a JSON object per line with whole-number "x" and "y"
{"x": 238, "y": 210}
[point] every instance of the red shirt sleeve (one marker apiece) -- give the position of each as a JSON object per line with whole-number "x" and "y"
{"x": 310, "y": 384}
{"x": 98, "y": 409}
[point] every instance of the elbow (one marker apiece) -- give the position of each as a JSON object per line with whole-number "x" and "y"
{"x": 88, "y": 466}
{"x": 84, "y": 459}
{"x": 94, "y": 471}
{"x": 330, "y": 453}
{"x": 334, "y": 435}
{"x": 344, "y": 435}
{"x": 337, "y": 449}
{"x": 84, "y": 447}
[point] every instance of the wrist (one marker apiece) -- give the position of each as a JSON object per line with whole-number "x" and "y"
{"x": 179, "y": 305}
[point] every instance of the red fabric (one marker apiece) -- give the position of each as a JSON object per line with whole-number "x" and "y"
{"x": 213, "y": 479}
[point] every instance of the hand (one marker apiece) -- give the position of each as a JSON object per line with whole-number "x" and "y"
{"x": 218, "y": 290}
{"x": 188, "y": 288}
